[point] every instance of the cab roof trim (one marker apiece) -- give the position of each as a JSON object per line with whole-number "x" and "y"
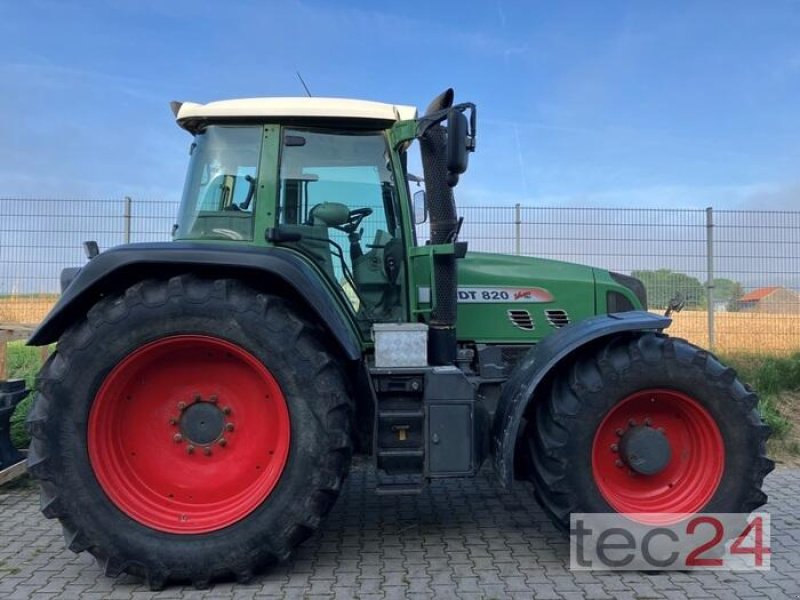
{"x": 189, "y": 113}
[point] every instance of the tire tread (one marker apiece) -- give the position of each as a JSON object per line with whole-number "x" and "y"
{"x": 315, "y": 362}
{"x": 555, "y": 416}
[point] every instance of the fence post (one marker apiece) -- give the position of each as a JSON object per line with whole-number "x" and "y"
{"x": 710, "y": 275}
{"x": 517, "y": 229}
{"x": 127, "y": 220}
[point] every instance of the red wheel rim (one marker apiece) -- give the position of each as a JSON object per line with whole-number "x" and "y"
{"x": 690, "y": 478}
{"x": 151, "y": 428}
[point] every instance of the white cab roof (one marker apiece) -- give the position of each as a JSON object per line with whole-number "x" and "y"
{"x": 300, "y": 107}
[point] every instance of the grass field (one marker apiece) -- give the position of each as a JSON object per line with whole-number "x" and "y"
{"x": 23, "y": 362}
{"x": 777, "y": 381}
{"x": 746, "y": 332}
{"x": 25, "y": 309}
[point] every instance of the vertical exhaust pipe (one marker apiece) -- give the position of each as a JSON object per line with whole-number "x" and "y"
{"x": 444, "y": 221}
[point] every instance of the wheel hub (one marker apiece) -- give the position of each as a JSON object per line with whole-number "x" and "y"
{"x": 645, "y": 450}
{"x": 658, "y": 452}
{"x": 202, "y": 423}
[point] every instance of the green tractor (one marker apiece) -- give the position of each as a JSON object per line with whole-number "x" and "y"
{"x": 200, "y": 413}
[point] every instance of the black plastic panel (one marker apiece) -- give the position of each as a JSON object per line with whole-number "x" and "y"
{"x": 451, "y": 432}
{"x": 119, "y": 267}
{"x": 450, "y": 447}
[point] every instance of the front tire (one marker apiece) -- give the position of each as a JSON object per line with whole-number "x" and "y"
{"x": 190, "y": 430}
{"x": 697, "y": 423}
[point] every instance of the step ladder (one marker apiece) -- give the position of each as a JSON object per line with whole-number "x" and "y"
{"x": 399, "y": 440}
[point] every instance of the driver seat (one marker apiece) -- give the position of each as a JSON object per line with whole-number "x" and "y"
{"x": 330, "y": 214}
{"x": 314, "y": 233}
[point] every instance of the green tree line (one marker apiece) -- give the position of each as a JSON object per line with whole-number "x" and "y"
{"x": 663, "y": 284}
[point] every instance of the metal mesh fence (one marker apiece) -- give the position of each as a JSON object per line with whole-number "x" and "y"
{"x": 760, "y": 251}
{"x": 738, "y": 272}
{"x": 38, "y": 238}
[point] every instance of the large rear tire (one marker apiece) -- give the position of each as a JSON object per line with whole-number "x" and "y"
{"x": 190, "y": 430}
{"x": 698, "y": 422}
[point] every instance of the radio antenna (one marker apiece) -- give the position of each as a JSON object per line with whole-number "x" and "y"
{"x": 305, "y": 87}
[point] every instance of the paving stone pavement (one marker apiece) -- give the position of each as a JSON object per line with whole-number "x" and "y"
{"x": 459, "y": 539}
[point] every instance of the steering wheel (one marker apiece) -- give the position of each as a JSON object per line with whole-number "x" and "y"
{"x": 354, "y": 220}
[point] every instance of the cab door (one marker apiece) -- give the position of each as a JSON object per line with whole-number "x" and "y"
{"x": 337, "y": 191}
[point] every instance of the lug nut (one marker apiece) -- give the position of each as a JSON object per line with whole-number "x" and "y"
{"x": 181, "y": 406}
{"x": 197, "y": 397}
{"x": 648, "y": 422}
{"x": 620, "y": 432}
{"x": 173, "y": 421}
{"x": 226, "y": 410}
{"x": 614, "y": 448}
{"x": 222, "y": 442}
{"x": 228, "y": 426}
{"x": 660, "y": 430}
{"x": 213, "y": 399}
{"x": 177, "y": 438}
{"x": 632, "y": 423}
{"x": 618, "y": 463}
{"x": 190, "y": 449}
{"x": 207, "y": 450}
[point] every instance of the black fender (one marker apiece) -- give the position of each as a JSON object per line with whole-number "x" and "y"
{"x": 268, "y": 269}
{"x": 520, "y": 389}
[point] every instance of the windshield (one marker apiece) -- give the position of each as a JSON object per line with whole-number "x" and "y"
{"x": 219, "y": 194}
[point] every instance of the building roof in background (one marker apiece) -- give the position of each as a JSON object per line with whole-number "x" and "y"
{"x": 758, "y": 294}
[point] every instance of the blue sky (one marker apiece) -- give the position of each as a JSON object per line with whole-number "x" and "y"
{"x": 680, "y": 104}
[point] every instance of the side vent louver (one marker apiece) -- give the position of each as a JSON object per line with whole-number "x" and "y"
{"x": 521, "y": 319}
{"x": 557, "y": 318}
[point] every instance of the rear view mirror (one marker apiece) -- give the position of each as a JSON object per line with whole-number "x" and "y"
{"x": 420, "y": 207}
{"x": 457, "y": 152}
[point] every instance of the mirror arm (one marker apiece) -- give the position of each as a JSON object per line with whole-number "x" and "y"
{"x": 473, "y": 122}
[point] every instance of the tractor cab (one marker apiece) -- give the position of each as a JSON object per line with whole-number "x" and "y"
{"x": 325, "y": 178}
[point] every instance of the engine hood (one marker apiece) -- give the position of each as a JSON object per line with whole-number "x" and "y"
{"x": 518, "y": 299}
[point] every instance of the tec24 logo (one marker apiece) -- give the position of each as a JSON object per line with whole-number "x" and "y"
{"x": 654, "y": 541}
